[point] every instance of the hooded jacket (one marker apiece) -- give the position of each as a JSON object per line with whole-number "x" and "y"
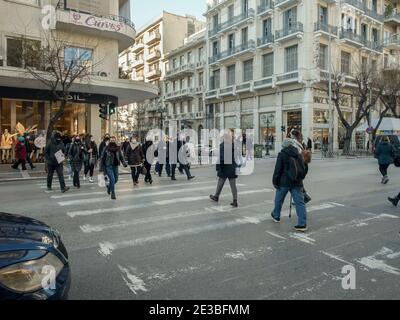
{"x": 51, "y": 149}
{"x": 134, "y": 154}
{"x": 280, "y": 177}
{"x": 385, "y": 153}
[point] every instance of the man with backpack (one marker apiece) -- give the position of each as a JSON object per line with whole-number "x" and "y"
{"x": 290, "y": 171}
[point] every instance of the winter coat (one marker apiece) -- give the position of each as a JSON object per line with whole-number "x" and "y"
{"x": 111, "y": 158}
{"x": 385, "y": 153}
{"x": 145, "y": 147}
{"x": 76, "y": 156}
{"x": 93, "y": 156}
{"x": 20, "y": 151}
{"x": 102, "y": 147}
{"x": 51, "y": 149}
{"x": 226, "y": 170}
{"x": 280, "y": 177}
{"x": 135, "y": 155}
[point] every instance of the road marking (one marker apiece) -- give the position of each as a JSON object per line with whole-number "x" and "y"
{"x": 372, "y": 262}
{"x": 135, "y": 191}
{"x": 74, "y": 214}
{"x": 276, "y": 235}
{"x": 133, "y": 282}
{"x": 123, "y": 224}
{"x": 107, "y": 248}
{"x": 338, "y": 258}
{"x": 302, "y": 237}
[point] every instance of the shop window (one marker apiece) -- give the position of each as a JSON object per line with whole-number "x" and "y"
{"x": 22, "y": 53}
{"x": 74, "y": 56}
{"x": 321, "y": 117}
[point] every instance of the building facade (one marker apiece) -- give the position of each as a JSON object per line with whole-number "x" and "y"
{"x": 184, "y": 84}
{"x": 145, "y": 60}
{"x": 268, "y": 62}
{"x": 97, "y": 32}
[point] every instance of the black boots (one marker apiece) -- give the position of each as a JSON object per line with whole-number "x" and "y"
{"x": 214, "y": 198}
{"x": 394, "y": 201}
{"x": 113, "y": 197}
{"x": 234, "y": 204}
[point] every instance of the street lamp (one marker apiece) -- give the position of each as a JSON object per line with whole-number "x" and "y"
{"x": 162, "y": 110}
{"x": 270, "y": 119}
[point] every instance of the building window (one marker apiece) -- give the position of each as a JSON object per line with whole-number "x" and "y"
{"x": 215, "y": 49}
{"x": 181, "y": 108}
{"x": 291, "y": 59}
{"x": 345, "y": 62}
{"x": 74, "y": 56}
{"x": 267, "y": 28}
{"x": 290, "y": 18}
{"x": 201, "y": 79}
{"x": 231, "y": 42}
{"x": 268, "y": 65}
{"x": 231, "y": 70}
{"x": 231, "y": 12}
{"x": 248, "y": 70}
{"x": 245, "y": 36}
{"x": 189, "y": 107}
{"x": 323, "y": 57}
{"x": 215, "y": 80}
{"x": 189, "y": 57}
{"x": 22, "y": 53}
{"x": 200, "y": 106}
{"x": 201, "y": 54}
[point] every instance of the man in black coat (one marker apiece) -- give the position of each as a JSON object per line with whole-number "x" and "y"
{"x": 53, "y": 165}
{"x": 284, "y": 184}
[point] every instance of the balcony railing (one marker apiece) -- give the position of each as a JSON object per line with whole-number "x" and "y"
{"x": 287, "y": 76}
{"x": 263, "y": 82}
{"x": 320, "y": 26}
{"x": 215, "y": 3}
{"x": 227, "y": 90}
{"x": 153, "y": 37}
{"x": 363, "y": 7}
{"x": 373, "y": 45}
{"x": 289, "y": 30}
{"x": 350, "y": 35}
{"x": 243, "y": 87}
{"x": 265, "y": 40}
{"x": 187, "y": 68}
{"x": 393, "y": 41}
{"x": 250, "y": 45}
{"x": 395, "y": 15}
{"x": 235, "y": 20}
{"x": 268, "y": 5}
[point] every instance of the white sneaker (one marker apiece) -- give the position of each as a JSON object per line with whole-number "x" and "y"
{"x": 91, "y": 180}
{"x": 84, "y": 178}
{"x": 69, "y": 178}
{"x": 386, "y": 180}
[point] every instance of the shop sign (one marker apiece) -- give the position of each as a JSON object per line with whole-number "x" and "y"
{"x": 91, "y": 21}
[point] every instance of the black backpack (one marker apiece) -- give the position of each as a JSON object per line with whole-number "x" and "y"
{"x": 296, "y": 169}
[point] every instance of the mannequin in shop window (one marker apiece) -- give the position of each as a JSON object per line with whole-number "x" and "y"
{"x": 6, "y": 145}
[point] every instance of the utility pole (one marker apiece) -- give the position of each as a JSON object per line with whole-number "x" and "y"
{"x": 331, "y": 122}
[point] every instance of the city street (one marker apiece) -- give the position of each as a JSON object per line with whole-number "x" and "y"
{"x": 169, "y": 241}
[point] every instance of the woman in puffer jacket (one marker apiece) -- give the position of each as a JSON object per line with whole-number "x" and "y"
{"x": 135, "y": 157}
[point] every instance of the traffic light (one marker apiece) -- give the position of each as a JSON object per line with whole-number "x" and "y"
{"x": 103, "y": 109}
{"x": 111, "y": 109}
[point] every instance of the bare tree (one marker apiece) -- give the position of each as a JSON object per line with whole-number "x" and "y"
{"x": 391, "y": 94}
{"x": 54, "y": 67}
{"x": 366, "y": 91}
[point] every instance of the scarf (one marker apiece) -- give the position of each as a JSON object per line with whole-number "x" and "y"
{"x": 113, "y": 147}
{"x": 134, "y": 145}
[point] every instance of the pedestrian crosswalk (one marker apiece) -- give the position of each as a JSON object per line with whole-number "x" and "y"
{"x": 174, "y": 213}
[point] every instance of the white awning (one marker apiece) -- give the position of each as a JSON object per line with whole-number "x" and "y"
{"x": 388, "y": 124}
{"x": 127, "y": 91}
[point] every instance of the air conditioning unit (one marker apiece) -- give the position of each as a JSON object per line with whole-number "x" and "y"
{"x": 102, "y": 74}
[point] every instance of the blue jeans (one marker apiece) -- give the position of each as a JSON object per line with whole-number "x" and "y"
{"x": 298, "y": 198}
{"x": 112, "y": 174}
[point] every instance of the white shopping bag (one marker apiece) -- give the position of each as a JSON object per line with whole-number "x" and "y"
{"x": 102, "y": 180}
{"x": 60, "y": 157}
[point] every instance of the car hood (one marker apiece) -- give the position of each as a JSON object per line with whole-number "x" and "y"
{"x": 23, "y": 233}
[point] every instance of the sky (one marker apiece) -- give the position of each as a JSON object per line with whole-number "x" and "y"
{"x": 144, "y": 11}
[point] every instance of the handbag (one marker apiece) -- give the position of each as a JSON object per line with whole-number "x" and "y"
{"x": 397, "y": 162}
{"x": 143, "y": 170}
{"x": 102, "y": 180}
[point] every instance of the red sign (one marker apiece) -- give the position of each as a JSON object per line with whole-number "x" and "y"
{"x": 95, "y": 22}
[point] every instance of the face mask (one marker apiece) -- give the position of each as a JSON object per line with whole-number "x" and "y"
{"x": 134, "y": 140}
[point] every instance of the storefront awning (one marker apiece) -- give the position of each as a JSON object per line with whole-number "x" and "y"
{"x": 387, "y": 125}
{"x": 125, "y": 91}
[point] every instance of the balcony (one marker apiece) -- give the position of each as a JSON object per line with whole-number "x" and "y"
{"x": 284, "y": 3}
{"x": 326, "y": 29}
{"x": 110, "y": 26}
{"x": 181, "y": 94}
{"x": 137, "y": 63}
{"x": 236, "y": 21}
{"x": 295, "y": 30}
{"x": 228, "y": 91}
{"x": 265, "y": 8}
{"x": 137, "y": 47}
{"x": 392, "y": 43}
{"x": 215, "y": 4}
{"x": 181, "y": 71}
{"x": 155, "y": 55}
{"x": 287, "y": 77}
{"x": 393, "y": 19}
{"x": 199, "y": 90}
{"x": 153, "y": 38}
{"x": 263, "y": 83}
{"x": 248, "y": 47}
{"x": 265, "y": 41}
{"x": 245, "y": 87}
{"x": 373, "y": 45}
{"x": 154, "y": 74}
{"x": 212, "y": 94}
{"x": 351, "y": 38}
{"x": 361, "y": 6}
{"x": 200, "y": 64}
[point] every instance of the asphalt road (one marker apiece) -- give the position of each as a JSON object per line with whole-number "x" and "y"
{"x": 168, "y": 241}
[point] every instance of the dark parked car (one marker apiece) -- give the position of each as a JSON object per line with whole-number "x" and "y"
{"x": 33, "y": 260}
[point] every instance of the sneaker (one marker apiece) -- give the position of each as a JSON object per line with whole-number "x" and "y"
{"x": 394, "y": 201}
{"x": 49, "y": 189}
{"x": 277, "y": 220}
{"x": 65, "y": 190}
{"x": 386, "y": 180}
{"x": 113, "y": 197}
{"x": 301, "y": 228}
{"x": 173, "y": 179}
{"x": 91, "y": 180}
{"x": 84, "y": 178}
{"x": 191, "y": 178}
{"x": 214, "y": 198}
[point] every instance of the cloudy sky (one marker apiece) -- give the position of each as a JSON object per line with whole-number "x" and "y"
{"x": 144, "y": 11}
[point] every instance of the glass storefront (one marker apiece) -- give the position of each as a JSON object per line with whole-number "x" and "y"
{"x": 321, "y": 129}
{"x": 268, "y": 129}
{"x": 294, "y": 120}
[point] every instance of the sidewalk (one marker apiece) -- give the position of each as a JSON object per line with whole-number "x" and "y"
{"x": 7, "y": 174}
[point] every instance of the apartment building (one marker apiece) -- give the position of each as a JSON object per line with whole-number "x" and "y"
{"x": 184, "y": 84}
{"x": 268, "y": 61}
{"x": 97, "y": 32}
{"x": 145, "y": 60}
